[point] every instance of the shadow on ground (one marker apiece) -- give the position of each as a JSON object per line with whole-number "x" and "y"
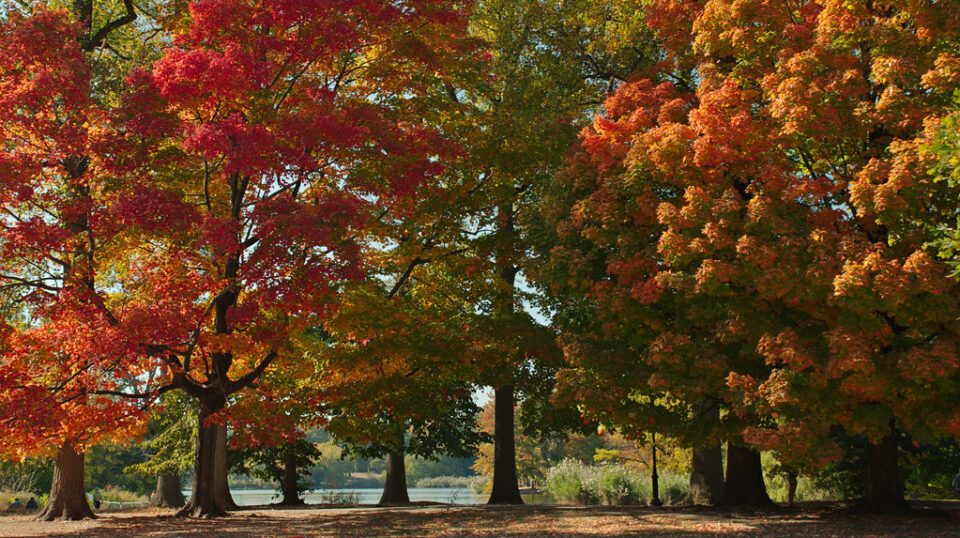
{"x": 809, "y": 520}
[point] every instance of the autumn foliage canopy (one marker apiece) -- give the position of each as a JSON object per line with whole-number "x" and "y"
{"x": 750, "y": 221}
{"x": 338, "y": 213}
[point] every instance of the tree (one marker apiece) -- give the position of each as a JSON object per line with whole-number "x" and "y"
{"x": 254, "y": 146}
{"x": 630, "y": 347}
{"x": 395, "y": 376}
{"x": 752, "y": 224}
{"x": 392, "y": 373}
{"x": 103, "y": 461}
{"x": 169, "y": 446}
{"x": 536, "y": 449}
{"x": 550, "y": 62}
{"x": 269, "y": 426}
{"x": 284, "y": 464}
{"x": 62, "y": 347}
{"x": 883, "y": 316}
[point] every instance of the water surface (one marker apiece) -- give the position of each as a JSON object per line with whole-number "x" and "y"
{"x": 257, "y": 497}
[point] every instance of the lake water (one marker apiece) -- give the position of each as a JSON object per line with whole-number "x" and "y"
{"x": 254, "y": 497}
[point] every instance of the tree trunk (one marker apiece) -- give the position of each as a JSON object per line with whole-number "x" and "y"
{"x": 706, "y": 477}
{"x": 791, "y": 487}
{"x": 204, "y": 502}
{"x": 744, "y": 485}
{"x": 505, "y": 487}
{"x": 395, "y": 486}
{"x": 883, "y": 491}
{"x": 221, "y": 484}
{"x": 706, "y": 469}
{"x": 291, "y": 494}
{"x": 168, "y": 494}
{"x": 68, "y": 500}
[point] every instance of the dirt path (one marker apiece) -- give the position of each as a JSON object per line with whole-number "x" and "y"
{"x": 502, "y": 521}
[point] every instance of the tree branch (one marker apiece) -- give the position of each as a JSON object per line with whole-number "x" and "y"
{"x": 137, "y": 395}
{"x": 91, "y": 43}
{"x": 245, "y": 381}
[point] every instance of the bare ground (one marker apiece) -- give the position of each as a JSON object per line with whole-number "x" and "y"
{"x": 931, "y": 519}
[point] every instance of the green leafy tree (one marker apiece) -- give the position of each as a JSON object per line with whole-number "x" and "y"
{"x": 286, "y": 464}
{"x": 169, "y": 446}
{"x": 941, "y": 153}
{"x": 550, "y": 63}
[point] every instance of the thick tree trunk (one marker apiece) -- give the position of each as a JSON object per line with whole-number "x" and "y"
{"x": 744, "y": 485}
{"x": 291, "y": 495}
{"x": 506, "y": 490}
{"x": 395, "y": 486}
{"x": 883, "y": 491}
{"x": 168, "y": 494}
{"x": 706, "y": 469}
{"x": 68, "y": 498}
{"x": 706, "y": 477}
{"x": 204, "y": 501}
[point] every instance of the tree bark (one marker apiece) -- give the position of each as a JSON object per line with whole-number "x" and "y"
{"x": 791, "y": 487}
{"x": 883, "y": 491}
{"x": 706, "y": 477}
{"x": 706, "y": 469}
{"x": 506, "y": 490}
{"x": 221, "y": 475}
{"x": 291, "y": 494}
{"x": 68, "y": 500}
{"x": 168, "y": 494}
{"x": 204, "y": 501}
{"x": 395, "y": 486}
{"x": 744, "y": 485}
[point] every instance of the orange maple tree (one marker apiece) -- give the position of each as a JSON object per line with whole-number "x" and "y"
{"x": 746, "y": 223}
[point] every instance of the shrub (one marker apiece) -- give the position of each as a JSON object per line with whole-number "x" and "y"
{"x": 673, "y": 495}
{"x": 115, "y": 498}
{"x": 807, "y": 490}
{"x": 18, "y": 477}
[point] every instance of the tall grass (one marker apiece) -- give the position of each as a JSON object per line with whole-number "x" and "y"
{"x": 452, "y": 482}
{"x": 481, "y": 484}
{"x": 7, "y": 497}
{"x": 572, "y": 482}
{"x": 118, "y": 495}
{"x": 806, "y": 490}
{"x": 339, "y": 497}
{"x": 673, "y": 487}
